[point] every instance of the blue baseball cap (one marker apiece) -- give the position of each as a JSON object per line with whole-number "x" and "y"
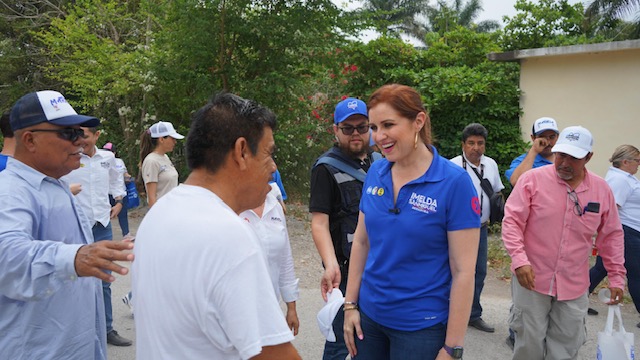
{"x": 47, "y": 106}
{"x": 348, "y": 107}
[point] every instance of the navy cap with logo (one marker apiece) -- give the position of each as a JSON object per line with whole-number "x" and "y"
{"x": 47, "y": 106}
{"x": 348, "y": 107}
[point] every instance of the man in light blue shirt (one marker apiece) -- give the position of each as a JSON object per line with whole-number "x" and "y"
{"x": 51, "y": 303}
{"x": 544, "y": 135}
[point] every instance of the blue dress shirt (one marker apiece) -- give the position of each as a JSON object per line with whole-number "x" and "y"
{"x": 46, "y": 310}
{"x": 537, "y": 162}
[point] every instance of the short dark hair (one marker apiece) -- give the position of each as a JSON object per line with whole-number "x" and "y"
{"x": 216, "y": 126}
{"x": 5, "y": 125}
{"x": 474, "y": 129}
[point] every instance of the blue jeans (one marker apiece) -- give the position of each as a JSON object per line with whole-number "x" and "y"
{"x": 123, "y": 216}
{"x": 383, "y": 343}
{"x": 337, "y": 350}
{"x": 631, "y": 263}
{"x": 481, "y": 274}
{"x": 104, "y": 233}
{"x": 597, "y": 273}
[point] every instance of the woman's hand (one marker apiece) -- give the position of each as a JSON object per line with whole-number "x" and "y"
{"x": 351, "y": 323}
{"x": 292, "y": 317}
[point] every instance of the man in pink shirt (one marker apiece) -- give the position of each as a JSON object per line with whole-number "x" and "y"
{"x": 551, "y": 218}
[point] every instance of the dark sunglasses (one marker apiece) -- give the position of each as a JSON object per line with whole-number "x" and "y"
{"x": 348, "y": 130}
{"x": 69, "y": 134}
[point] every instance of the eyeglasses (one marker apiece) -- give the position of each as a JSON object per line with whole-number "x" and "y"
{"x": 69, "y": 134}
{"x": 636, "y": 160}
{"x": 348, "y": 130}
{"x": 577, "y": 209}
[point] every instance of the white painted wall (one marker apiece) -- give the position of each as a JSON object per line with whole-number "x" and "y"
{"x": 600, "y": 91}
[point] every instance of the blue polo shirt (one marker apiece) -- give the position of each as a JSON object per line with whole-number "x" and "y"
{"x": 3, "y": 162}
{"x": 537, "y": 162}
{"x": 407, "y": 278}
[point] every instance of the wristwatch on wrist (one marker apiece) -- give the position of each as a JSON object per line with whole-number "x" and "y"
{"x": 455, "y": 352}
{"x": 118, "y": 201}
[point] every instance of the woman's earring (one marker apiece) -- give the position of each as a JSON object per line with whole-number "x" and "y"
{"x": 415, "y": 142}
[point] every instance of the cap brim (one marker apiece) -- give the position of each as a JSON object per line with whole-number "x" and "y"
{"x": 176, "y": 136}
{"x": 543, "y": 130}
{"x": 338, "y": 121}
{"x": 574, "y": 151}
{"x": 72, "y": 120}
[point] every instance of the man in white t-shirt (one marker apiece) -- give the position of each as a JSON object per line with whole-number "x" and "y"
{"x": 478, "y": 165}
{"x": 202, "y": 285}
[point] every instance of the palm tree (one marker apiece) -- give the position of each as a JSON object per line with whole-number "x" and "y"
{"x": 393, "y": 17}
{"x": 610, "y": 14}
{"x": 444, "y": 16}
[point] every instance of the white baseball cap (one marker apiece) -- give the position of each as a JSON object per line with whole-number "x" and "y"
{"x": 47, "y": 106}
{"x": 543, "y": 124}
{"x": 328, "y": 313}
{"x": 162, "y": 129}
{"x": 575, "y": 141}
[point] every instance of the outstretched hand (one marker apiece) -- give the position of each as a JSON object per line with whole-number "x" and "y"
{"x": 93, "y": 259}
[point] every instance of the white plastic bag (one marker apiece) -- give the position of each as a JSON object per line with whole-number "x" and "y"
{"x": 615, "y": 345}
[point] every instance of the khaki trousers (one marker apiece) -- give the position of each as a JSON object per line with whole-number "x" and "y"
{"x": 546, "y": 329}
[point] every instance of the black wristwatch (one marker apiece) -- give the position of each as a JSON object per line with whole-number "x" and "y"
{"x": 455, "y": 352}
{"x": 118, "y": 201}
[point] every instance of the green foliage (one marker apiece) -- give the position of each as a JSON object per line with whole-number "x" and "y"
{"x": 97, "y": 54}
{"x": 305, "y": 130}
{"x": 607, "y": 18}
{"x": 544, "y": 23}
{"x": 459, "y": 47}
{"x": 392, "y": 18}
{"x": 487, "y": 94}
{"x": 135, "y": 62}
{"x": 458, "y": 85}
{"x": 381, "y": 61}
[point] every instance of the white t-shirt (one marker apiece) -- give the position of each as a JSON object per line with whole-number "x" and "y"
{"x": 273, "y": 237}
{"x": 201, "y": 284}
{"x": 489, "y": 169}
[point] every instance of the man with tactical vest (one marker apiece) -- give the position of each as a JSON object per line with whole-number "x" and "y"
{"x": 336, "y": 187}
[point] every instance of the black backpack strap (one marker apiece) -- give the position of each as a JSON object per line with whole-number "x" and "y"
{"x": 484, "y": 183}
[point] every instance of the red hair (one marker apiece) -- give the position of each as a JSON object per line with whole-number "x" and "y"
{"x": 406, "y": 101}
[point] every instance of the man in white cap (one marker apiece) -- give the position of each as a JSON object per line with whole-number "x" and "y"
{"x": 550, "y": 220}
{"x": 51, "y": 304}
{"x": 544, "y": 135}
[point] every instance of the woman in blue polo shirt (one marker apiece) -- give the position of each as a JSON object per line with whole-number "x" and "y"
{"x": 412, "y": 268}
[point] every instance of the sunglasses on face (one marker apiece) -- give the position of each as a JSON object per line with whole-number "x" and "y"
{"x": 348, "y": 130}
{"x": 69, "y": 134}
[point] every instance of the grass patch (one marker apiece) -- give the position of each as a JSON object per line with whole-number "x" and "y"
{"x": 498, "y": 257}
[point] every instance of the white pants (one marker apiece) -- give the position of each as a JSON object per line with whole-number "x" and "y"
{"x": 545, "y": 327}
